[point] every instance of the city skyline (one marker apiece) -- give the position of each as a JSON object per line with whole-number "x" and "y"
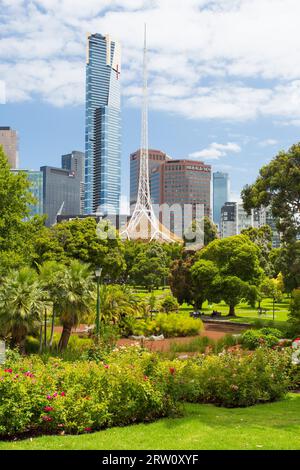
{"x": 237, "y": 100}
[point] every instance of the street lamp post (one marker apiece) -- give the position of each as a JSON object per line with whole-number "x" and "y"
{"x": 98, "y": 275}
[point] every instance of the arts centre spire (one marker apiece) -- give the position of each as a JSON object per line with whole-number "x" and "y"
{"x": 144, "y": 223}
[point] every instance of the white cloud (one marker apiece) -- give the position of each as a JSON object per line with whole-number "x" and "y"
{"x": 2, "y": 92}
{"x": 215, "y": 151}
{"x": 268, "y": 142}
{"x": 208, "y": 59}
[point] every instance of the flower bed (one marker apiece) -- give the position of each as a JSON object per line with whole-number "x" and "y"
{"x": 132, "y": 385}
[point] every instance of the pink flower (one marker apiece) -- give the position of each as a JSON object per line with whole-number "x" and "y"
{"x": 48, "y": 408}
{"x": 106, "y": 366}
{"x": 49, "y": 397}
{"x": 46, "y": 418}
{"x": 146, "y": 377}
{"x": 55, "y": 395}
{"x": 63, "y": 394}
{"x": 9, "y": 371}
{"x": 87, "y": 429}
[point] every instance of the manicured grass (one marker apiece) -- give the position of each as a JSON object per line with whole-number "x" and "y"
{"x": 269, "y": 426}
{"x": 244, "y": 312}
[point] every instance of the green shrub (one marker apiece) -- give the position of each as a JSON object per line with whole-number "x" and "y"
{"x": 269, "y": 337}
{"x": 32, "y": 345}
{"x": 132, "y": 385}
{"x": 236, "y": 379}
{"x": 170, "y": 304}
{"x": 56, "y": 396}
{"x": 170, "y": 325}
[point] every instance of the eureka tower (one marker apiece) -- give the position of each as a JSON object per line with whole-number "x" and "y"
{"x": 103, "y": 126}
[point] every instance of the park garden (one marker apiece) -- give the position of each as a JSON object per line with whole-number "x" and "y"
{"x": 80, "y": 314}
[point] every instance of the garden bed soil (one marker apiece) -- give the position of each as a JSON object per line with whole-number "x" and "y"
{"x": 212, "y": 331}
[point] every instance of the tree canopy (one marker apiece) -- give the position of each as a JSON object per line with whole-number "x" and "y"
{"x": 278, "y": 187}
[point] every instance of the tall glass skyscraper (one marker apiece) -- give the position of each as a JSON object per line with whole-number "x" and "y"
{"x": 103, "y": 126}
{"x": 220, "y": 195}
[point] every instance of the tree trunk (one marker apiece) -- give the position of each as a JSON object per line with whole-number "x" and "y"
{"x": 45, "y": 329}
{"x": 41, "y": 338}
{"x": 65, "y": 336}
{"x": 52, "y": 330}
{"x": 231, "y": 311}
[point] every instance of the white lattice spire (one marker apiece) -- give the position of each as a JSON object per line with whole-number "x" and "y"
{"x": 143, "y": 223}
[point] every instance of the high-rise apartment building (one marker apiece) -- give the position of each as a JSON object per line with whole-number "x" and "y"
{"x": 103, "y": 126}
{"x": 74, "y": 163}
{"x": 155, "y": 158}
{"x": 35, "y": 179}
{"x": 10, "y": 144}
{"x": 220, "y": 195}
{"x": 234, "y": 219}
{"x": 61, "y": 193}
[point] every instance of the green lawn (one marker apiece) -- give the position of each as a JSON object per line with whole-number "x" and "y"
{"x": 270, "y": 426}
{"x": 244, "y": 312}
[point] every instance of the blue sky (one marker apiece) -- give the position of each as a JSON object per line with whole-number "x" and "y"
{"x": 224, "y": 77}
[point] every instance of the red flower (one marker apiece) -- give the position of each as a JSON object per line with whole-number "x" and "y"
{"x": 48, "y": 408}
{"x": 8, "y": 370}
{"x": 63, "y": 394}
{"x": 172, "y": 370}
{"x": 146, "y": 377}
{"x": 55, "y": 395}
{"x": 46, "y": 418}
{"x": 87, "y": 429}
{"x": 106, "y": 366}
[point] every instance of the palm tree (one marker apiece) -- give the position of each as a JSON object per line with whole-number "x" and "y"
{"x": 52, "y": 275}
{"x": 116, "y": 303}
{"x": 77, "y": 299}
{"x": 21, "y": 305}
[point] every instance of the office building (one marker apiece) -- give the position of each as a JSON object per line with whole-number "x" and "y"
{"x": 220, "y": 195}
{"x": 74, "y": 163}
{"x": 10, "y": 144}
{"x": 61, "y": 193}
{"x": 228, "y": 224}
{"x": 182, "y": 182}
{"x": 103, "y": 126}
{"x": 35, "y": 179}
{"x": 155, "y": 159}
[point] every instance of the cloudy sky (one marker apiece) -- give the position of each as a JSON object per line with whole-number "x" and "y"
{"x": 224, "y": 77}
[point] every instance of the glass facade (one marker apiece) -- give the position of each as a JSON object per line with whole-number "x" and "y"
{"x": 220, "y": 195}
{"x": 35, "y": 179}
{"x": 103, "y": 126}
{"x": 74, "y": 162}
{"x": 61, "y": 193}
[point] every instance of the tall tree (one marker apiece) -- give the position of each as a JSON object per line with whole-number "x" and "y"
{"x": 262, "y": 237}
{"x": 52, "y": 276}
{"x": 237, "y": 259}
{"x": 278, "y": 186}
{"x": 14, "y": 199}
{"x": 77, "y": 300}
{"x": 84, "y": 240}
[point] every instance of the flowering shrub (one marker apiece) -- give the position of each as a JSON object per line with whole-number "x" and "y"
{"x": 236, "y": 379}
{"x": 72, "y": 397}
{"x": 132, "y": 385}
{"x": 269, "y": 337}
